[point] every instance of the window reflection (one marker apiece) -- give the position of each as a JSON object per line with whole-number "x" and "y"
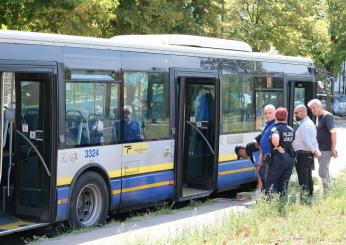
{"x": 146, "y": 106}
{"x": 91, "y": 110}
{"x": 269, "y": 90}
{"x": 238, "y": 108}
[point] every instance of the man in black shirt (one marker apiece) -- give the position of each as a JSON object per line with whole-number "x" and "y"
{"x": 326, "y": 138}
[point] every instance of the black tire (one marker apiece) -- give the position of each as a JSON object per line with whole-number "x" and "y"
{"x": 91, "y": 194}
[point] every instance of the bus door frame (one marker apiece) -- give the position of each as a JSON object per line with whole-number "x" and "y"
{"x": 291, "y": 81}
{"x": 47, "y": 68}
{"x": 178, "y": 102}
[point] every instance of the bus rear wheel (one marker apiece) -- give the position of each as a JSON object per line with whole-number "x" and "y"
{"x": 89, "y": 201}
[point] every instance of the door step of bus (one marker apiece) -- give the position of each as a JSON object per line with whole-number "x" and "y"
{"x": 189, "y": 193}
{"x": 10, "y": 224}
{"x": 246, "y": 195}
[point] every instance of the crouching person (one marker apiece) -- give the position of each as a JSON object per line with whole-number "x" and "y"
{"x": 282, "y": 157}
{"x": 250, "y": 151}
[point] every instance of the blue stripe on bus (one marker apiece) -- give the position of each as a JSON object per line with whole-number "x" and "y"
{"x": 116, "y": 187}
{"x": 235, "y": 173}
{"x": 147, "y": 188}
{"x": 62, "y": 200}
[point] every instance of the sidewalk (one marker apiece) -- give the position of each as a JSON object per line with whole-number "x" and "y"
{"x": 155, "y": 227}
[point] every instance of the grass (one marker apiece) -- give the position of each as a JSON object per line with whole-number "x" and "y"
{"x": 295, "y": 220}
{"x": 137, "y": 215}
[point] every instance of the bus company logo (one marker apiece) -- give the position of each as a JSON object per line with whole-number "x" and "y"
{"x": 74, "y": 156}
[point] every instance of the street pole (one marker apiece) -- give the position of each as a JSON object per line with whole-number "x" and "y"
{"x": 344, "y": 79}
{"x": 222, "y": 16}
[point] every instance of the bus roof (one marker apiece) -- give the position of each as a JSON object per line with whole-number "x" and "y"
{"x": 163, "y": 44}
{"x": 186, "y": 41}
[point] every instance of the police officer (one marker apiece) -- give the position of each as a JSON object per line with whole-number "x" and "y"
{"x": 282, "y": 158}
{"x": 264, "y": 140}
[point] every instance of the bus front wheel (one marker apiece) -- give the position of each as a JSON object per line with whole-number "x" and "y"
{"x": 89, "y": 201}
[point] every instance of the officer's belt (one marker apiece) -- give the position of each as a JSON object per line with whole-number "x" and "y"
{"x": 304, "y": 152}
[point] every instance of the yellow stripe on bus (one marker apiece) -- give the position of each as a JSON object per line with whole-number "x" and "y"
{"x": 230, "y": 157}
{"x": 127, "y": 172}
{"x": 154, "y": 168}
{"x": 148, "y": 169}
{"x": 62, "y": 201}
{"x": 142, "y": 187}
{"x": 236, "y": 171}
{"x": 114, "y": 173}
{"x": 15, "y": 225}
{"x": 64, "y": 181}
{"x": 115, "y": 192}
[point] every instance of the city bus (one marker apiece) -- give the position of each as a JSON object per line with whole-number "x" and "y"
{"x": 91, "y": 127}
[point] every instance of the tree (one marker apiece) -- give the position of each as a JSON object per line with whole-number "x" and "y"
{"x": 336, "y": 14}
{"x": 295, "y": 27}
{"x": 315, "y": 28}
{"x": 78, "y": 17}
{"x": 199, "y": 17}
{"x": 265, "y": 24}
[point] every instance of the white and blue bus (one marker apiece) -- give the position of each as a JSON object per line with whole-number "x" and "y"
{"x": 91, "y": 127}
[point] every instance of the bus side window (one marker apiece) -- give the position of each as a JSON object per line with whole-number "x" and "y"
{"x": 269, "y": 90}
{"x": 90, "y": 116}
{"x": 147, "y": 94}
{"x": 111, "y": 134}
{"x": 238, "y": 104}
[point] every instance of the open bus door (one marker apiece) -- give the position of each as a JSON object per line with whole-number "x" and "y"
{"x": 197, "y": 140}
{"x": 301, "y": 91}
{"x": 27, "y": 147}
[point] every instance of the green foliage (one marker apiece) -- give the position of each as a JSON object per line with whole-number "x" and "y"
{"x": 78, "y": 17}
{"x": 336, "y": 14}
{"x": 276, "y": 221}
{"x": 315, "y": 28}
{"x": 299, "y": 28}
{"x": 167, "y": 16}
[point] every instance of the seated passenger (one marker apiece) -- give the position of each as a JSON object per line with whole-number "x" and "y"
{"x": 96, "y": 132}
{"x": 132, "y": 128}
{"x": 96, "y": 125}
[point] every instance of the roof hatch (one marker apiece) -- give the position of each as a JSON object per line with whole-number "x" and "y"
{"x": 185, "y": 40}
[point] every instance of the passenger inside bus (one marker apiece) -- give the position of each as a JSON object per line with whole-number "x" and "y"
{"x": 77, "y": 127}
{"x": 132, "y": 128}
{"x": 96, "y": 126}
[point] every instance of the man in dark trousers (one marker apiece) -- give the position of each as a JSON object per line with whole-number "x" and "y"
{"x": 282, "y": 155}
{"x": 326, "y": 138}
{"x": 306, "y": 147}
{"x": 264, "y": 140}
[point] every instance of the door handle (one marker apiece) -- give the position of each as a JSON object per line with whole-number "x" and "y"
{"x": 35, "y": 149}
{"x": 202, "y": 135}
{"x": 36, "y": 135}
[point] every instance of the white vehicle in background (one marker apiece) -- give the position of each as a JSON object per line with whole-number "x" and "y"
{"x": 339, "y": 105}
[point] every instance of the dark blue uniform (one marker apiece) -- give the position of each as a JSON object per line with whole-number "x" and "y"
{"x": 264, "y": 142}
{"x": 280, "y": 169}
